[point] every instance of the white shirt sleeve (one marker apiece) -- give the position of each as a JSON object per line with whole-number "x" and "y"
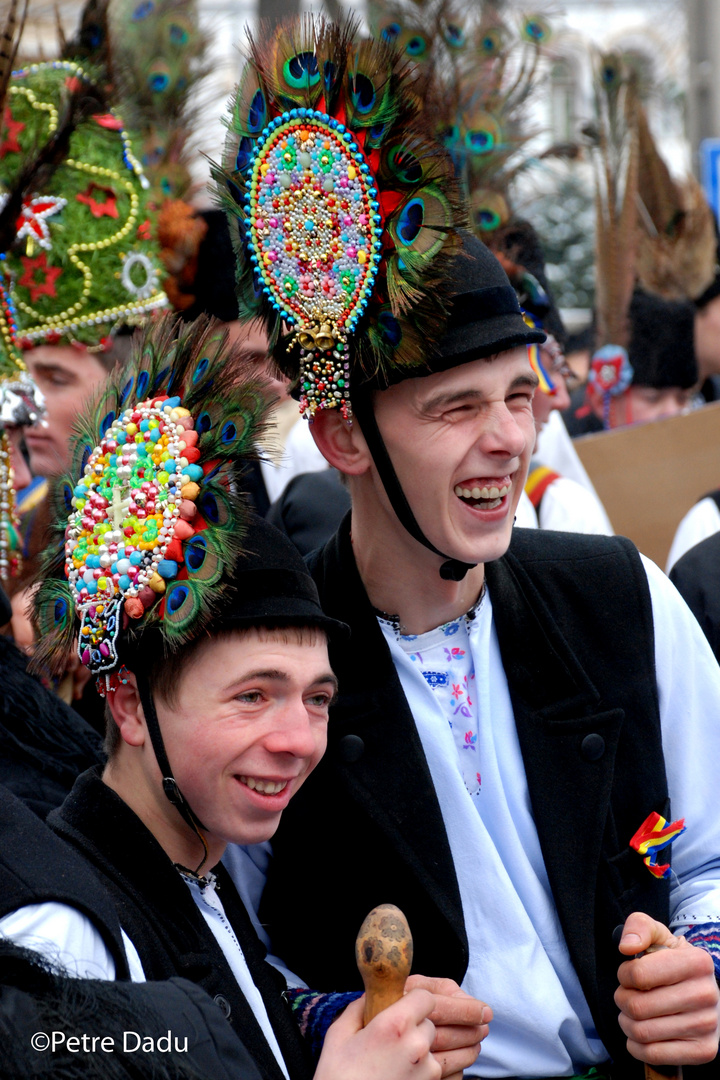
{"x": 569, "y": 507}
{"x": 64, "y": 936}
{"x": 688, "y": 680}
{"x": 701, "y": 521}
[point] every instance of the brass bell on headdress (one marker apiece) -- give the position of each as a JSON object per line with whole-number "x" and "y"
{"x": 325, "y": 338}
{"x": 306, "y": 339}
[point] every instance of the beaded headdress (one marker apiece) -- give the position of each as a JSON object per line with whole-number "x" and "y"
{"x": 21, "y": 402}
{"x": 83, "y": 260}
{"x": 150, "y": 523}
{"x": 342, "y": 208}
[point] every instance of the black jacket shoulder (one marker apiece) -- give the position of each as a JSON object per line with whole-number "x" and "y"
{"x": 38, "y": 867}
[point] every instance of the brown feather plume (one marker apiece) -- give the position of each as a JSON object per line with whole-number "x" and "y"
{"x": 9, "y": 41}
{"x": 677, "y": 241}
{"x": 615, "y": 158}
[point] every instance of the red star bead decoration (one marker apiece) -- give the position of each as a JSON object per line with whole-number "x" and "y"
{"x": 10, "y": 145}
{"x": 38, "y": 265}
{"x": 32, "y": 222}
{"x": 98, "y": 209}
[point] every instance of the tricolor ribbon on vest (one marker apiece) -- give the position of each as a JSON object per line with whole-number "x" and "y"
{"x": 653, "y": 835}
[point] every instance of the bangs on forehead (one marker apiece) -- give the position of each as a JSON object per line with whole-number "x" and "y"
{"x": 164, "y": 676}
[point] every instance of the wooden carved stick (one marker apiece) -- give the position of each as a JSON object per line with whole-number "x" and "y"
{"x": 383, "y": 951}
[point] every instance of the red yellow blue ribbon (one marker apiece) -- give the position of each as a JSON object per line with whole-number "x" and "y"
{"x": 546, "y": 384}
{"x": 653, "y": 835}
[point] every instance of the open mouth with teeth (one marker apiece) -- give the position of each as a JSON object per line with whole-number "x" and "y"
{"x": 485, "y": 497}
{"x": 264, "y": 787}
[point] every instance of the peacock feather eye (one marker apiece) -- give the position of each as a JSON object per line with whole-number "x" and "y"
{"x": 143, "y": 10}
{"x": 106, "y": 423}
{"x": 416, "y": 47}
{"x": 390, "y": 328}
{"x": 411, "y": 221}
{"x": 127, "y": 389}
{"x": 257, "y": 112}
{"x": 302, "y": 70}
{"x": 201, "y": 368}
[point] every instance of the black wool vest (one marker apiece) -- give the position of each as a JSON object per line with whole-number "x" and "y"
{"x": 574, "y": 623}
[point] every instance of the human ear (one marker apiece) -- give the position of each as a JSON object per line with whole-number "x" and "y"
{"x": 124, "y": 704}
{"x": 340, "y": 443}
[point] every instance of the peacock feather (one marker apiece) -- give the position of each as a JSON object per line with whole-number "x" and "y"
{"x": 159, "y": 62}
{"x": 342, "y": 205}
{"x": 149, "y": 522}
{"x": 477, "y": 69}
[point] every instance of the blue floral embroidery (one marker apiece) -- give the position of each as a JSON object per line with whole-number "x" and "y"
{"x": 451, "y": 628}
{"x": 436, "y": 678}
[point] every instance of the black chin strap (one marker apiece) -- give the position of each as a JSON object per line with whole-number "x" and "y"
{"x": 451, "y": 569}
{"x": 170, "y": 786}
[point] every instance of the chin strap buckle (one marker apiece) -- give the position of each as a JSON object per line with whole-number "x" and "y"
{"x": 172, "y": 791}
{"x": 454, "y": 570}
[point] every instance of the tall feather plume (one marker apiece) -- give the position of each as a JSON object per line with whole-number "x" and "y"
{"x": 368, "y": 88}
{"x": 677, "y": 242}
{"x": 218, "y": 387}
{"x": 614, "y": 142}
{"x": 91, "y": 42}
{"x": 478, "y": 67}
{"x": 159, "y": 63}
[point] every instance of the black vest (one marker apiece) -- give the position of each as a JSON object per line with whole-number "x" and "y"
{"x": 39, "y": 868}
{"x": 159, "y": 915}
{"x": 574, "y": 622}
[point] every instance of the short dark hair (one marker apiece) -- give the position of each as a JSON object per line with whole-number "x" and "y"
{"x": 164, "y": 669}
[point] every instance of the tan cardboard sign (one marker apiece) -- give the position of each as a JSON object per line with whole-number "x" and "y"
{"x": 648, "y": 476}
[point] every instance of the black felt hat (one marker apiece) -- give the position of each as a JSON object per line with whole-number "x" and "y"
{"x": 272, "y": 585}
{"x": 484, "y": 317}
{"x": 520, "y": 244}
{"x": 662, "y": 349}
{"x": 214, "y": 284}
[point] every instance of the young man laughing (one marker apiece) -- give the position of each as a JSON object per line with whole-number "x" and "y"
{"x": 510, "y": 716}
